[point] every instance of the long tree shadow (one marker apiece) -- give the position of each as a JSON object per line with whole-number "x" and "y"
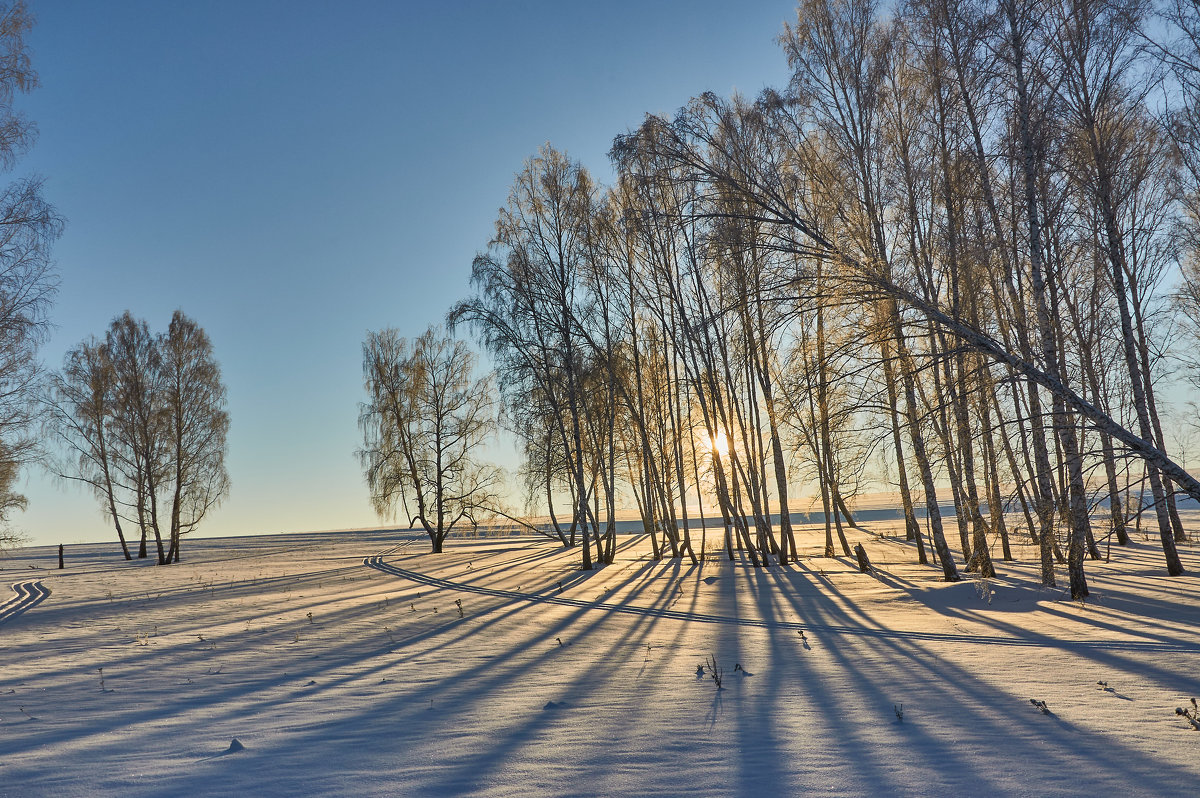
{"x": 879, "y": 669}
{"x": 567, "y": 695}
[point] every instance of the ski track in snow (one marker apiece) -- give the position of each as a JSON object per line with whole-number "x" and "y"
{"x": 378, "y": 564}
{"x": 29, "y": 594}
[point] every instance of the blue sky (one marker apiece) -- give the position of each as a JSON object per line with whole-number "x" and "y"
{"x": 294, "y": 174}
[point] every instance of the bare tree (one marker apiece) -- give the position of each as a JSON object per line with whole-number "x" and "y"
{"x": 138, "y": 422}
{"x": 955, "y": 219}
{"x": 142, "y": 422}
{"x": 28, "y": 226}
{"x": 423, "y": 422}
{"x": 1098, "y": 62}
{"x": 531, "y": 302}
{"x": 197, "y": 424}
{"x": 80, "y": 408}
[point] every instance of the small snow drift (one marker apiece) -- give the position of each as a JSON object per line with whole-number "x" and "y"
{"x": 235, "y": 745}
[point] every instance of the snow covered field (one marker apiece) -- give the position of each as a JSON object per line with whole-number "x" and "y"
{"x": 342, "y": 665}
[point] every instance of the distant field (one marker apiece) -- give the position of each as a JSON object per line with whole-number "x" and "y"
{"x": 341, "y": 665}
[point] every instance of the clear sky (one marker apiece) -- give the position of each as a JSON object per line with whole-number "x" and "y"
{"x": 294, "y": 174}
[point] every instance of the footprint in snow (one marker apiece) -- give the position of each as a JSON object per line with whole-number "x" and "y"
{"x": 708, "y": 580}
{"x": 555, "y": 705}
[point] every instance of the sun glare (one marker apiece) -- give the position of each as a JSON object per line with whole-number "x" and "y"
{"x": 719, "y": 444}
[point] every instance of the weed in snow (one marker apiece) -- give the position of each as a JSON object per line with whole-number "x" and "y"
{"x": 1192, "y": 715}
{"x": 717, "y": 673}
{"x": 983, "y": 586}
{"x": 1040, "y": 705}
{"x": 899, "y": 710}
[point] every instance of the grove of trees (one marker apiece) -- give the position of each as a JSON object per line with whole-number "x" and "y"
{"x": 142, "y": 422}
{"x": 141, "y": 417}
{"x": 951, "y": 244}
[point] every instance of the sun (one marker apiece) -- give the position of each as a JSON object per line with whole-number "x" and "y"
{"x": 718, "y": 444}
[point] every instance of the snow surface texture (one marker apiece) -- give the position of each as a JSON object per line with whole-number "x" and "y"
{"x": 349, "y": 665}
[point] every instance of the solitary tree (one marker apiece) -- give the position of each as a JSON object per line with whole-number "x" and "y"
{"x": 423, "y": 421}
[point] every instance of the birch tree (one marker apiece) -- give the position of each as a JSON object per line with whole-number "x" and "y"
{"x": 196, "y": 427}
{"x": 28, "y": 227}
{"x": 81, "y": 406}
{"x": 423, "y": 423}
{"x": 142, "y": 422}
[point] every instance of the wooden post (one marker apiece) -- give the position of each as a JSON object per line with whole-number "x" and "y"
{"x": 60, "y": 555}
{"x": 864, "y": 564}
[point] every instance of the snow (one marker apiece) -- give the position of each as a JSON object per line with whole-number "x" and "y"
{"x": 338, "y": 664}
